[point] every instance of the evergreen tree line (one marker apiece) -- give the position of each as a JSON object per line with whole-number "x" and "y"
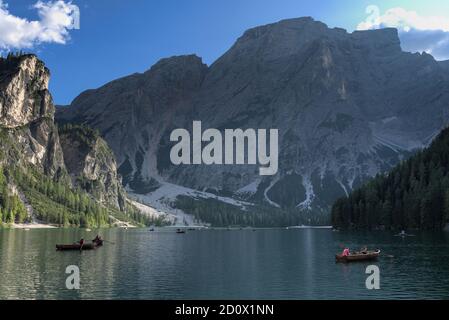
{"x": 219, "y": 214}
{"x": 11, "y": 208}
{"x": 414, "y": 195}
{"x": 56, "y": 202}
{"x": 12, "y": 54}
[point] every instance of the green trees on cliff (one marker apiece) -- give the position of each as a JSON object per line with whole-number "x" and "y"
{"x": 58, "y": 203}
{"x": 52, "y": 201}
{"x": 415, "y": 194}
{"x": 220, "y": 214}
{"x": 11, "y": 208}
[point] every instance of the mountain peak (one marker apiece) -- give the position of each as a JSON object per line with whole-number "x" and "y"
{"x": 24, "y": 84}
{"x": 387, "y": 38}
{"x": 294, "y": 24}
{"x": 180, "y": 61}
{"x": 188, "y": 70}
{"x": 284, "y": 28}
{"x": 293, "y": 36}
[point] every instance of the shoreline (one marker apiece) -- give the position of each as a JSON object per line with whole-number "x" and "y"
{"x": 35, "y": 226}
{"x": 25, "y": 226}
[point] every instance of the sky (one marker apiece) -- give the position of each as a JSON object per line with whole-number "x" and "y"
{"x": 87, "y": 43}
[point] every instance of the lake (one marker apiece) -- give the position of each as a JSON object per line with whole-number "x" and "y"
{"x": 221, "y": 264}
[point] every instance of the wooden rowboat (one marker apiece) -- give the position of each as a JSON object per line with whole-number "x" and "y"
{"x": 358, "y": 256}
{"x": 77, "y": 246}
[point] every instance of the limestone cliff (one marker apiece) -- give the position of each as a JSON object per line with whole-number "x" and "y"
{"x": 92, "y": 165}
{"x": 68, "y": 180}
{"x": 27, "y": 115}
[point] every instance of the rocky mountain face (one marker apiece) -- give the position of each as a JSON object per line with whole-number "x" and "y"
{"x": 143, "y": 109}
{"x": 445, "y": 64}
{"x": 92, "y": 165}
{"x": 30, "y": 138}
{"x": 27, "y": 114}
{"x": 347, "y": 106}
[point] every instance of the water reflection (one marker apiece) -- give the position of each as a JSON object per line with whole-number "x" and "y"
{"x": 220, "y": 264}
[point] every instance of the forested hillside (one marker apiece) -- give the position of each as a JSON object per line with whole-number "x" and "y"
{"x": 220, "y": 214}
{"x": 414, "y": 195}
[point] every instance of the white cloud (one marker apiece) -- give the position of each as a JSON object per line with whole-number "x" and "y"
{"x": 417, "y": 33}
{"x": 56, "y": 19}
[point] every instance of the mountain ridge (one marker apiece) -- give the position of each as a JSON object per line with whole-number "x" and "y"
{"x": 346, "y": 106}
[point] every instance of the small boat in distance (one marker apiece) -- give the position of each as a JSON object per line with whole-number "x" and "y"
{"x": 309, "y": 227}
{"x": 358, "y": 256}
{"x": 75, "y": 246}
{"x": 404, "y": 234}
{"x": 180, "y": 231}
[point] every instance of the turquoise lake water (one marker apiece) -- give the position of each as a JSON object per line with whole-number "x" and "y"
{"x": 221, "y": 264}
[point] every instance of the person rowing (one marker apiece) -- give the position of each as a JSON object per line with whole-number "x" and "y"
{"x": 98, "y": 241}
{"x": 346, "y": 252}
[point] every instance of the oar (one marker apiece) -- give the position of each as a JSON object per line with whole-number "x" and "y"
{"x": 387, "y": 255}
{"x": 109, "y": 241}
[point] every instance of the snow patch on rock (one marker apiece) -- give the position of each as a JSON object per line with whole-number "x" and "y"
{"x": 161, "y": 202}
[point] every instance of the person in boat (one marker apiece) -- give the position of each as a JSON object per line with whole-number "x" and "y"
{"x": 97, "y": 239}
{"x": 364, "y": 250}
{"x": 81, "y": 244}
{"x": 345, "y": 252}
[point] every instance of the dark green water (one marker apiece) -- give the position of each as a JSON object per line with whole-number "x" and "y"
{"x": 220, "y": 264}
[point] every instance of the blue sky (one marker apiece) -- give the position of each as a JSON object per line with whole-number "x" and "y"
{"x": 118, "y": 37}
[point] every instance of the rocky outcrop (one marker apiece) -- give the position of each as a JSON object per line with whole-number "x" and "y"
{"x": 27, "y": 115}
{"x": 347, "y": 106}
{"x": 142, "y": 108}
{"x": 29, "y": 136}
{"x": 24, "y": 95}
{"x": 91, "y": 164}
